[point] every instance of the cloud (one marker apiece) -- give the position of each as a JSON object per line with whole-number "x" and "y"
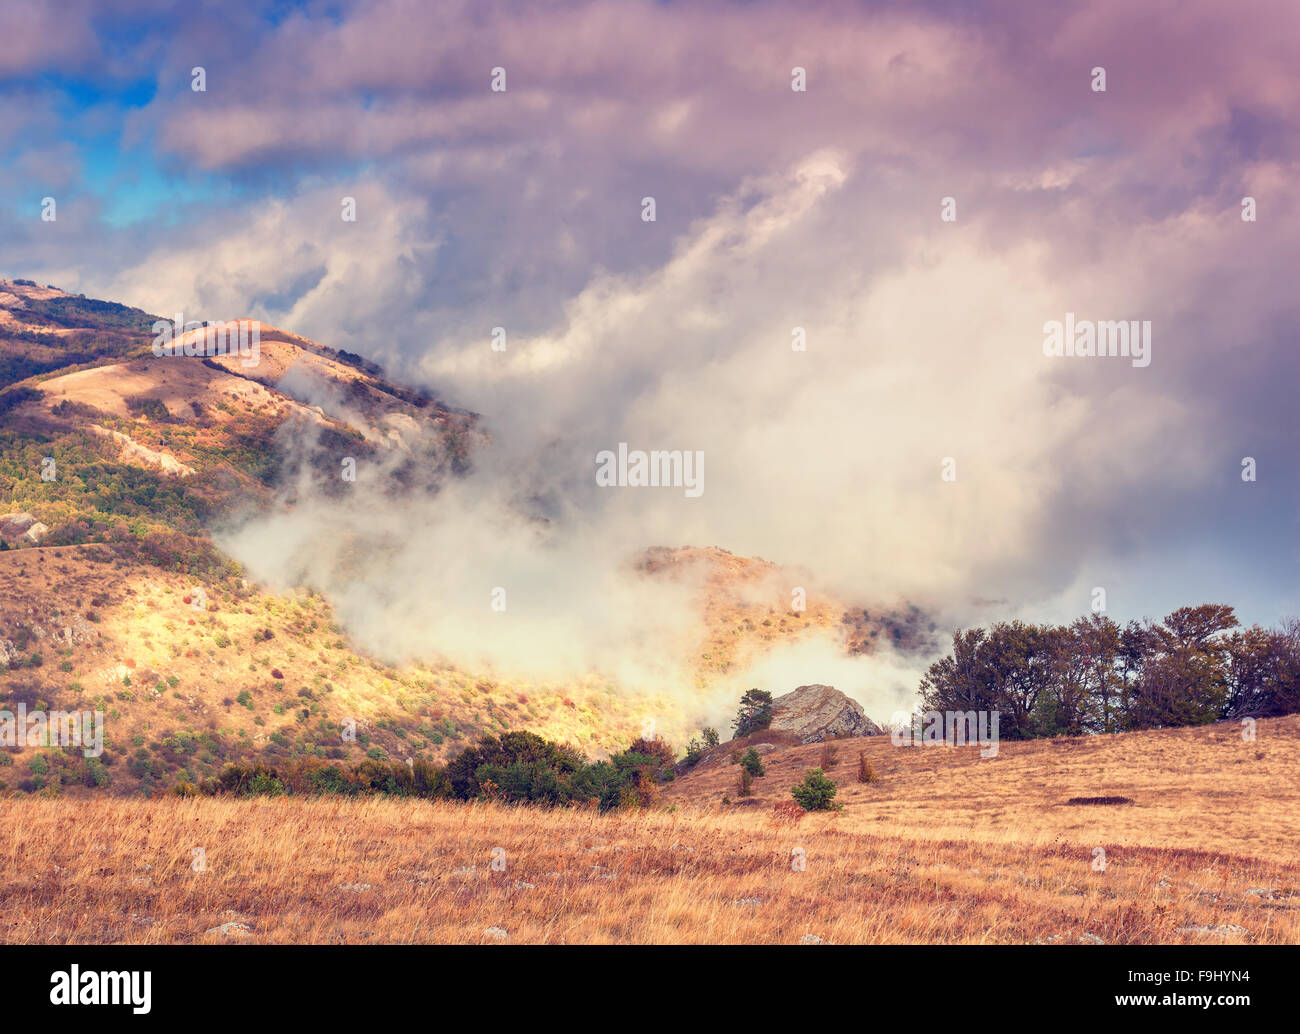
{"x": 775, "y": 210}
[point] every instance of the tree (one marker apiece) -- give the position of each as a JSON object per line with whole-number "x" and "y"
{"x": 816, "y": 792}
{"x": 752, "y": 763}
{"x": 1184, "y": 677}
{"x": 959, "y": 682}
{"x": 755, "y": 713}
{"x": 1263, "y": 673}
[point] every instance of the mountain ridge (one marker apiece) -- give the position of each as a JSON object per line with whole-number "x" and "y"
{"x": 129, "y": 459}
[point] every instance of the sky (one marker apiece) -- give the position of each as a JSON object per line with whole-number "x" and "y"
{"x": 775, "y": 208}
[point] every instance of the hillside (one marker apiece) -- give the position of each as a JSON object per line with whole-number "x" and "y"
{"x": 944, "y": 848}
{"x": 113, "y": 596}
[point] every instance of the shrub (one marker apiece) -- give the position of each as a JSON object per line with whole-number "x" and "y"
{"x": 745, "y": 784}
{"x": 656, "y": 748}
{"x": 830, "y": 755}
{"x": 816, "y": 792}
{"x": 866, "y": 774}
{"x": 96, "y": 773}
{"x": 752, "y": 764}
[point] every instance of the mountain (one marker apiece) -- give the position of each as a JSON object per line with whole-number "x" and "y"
{"x": 116, "y": 465}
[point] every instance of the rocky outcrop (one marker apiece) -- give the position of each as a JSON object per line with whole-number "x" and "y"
{"x": 16, "y": 526}
{"x": 816, "y": 713}
{"x": 132, "y": 449}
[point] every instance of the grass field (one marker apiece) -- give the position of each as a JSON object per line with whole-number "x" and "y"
{"x": 944, "y": 847}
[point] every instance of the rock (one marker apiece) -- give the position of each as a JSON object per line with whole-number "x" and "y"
{"x": 811, "y": 938}
{"x": 496, "y": 933}
{"x": 234, "y": 929}
{"x": 169, "y": 464}
{"x": 14, "y": 526}
{"x": 1216, "y": 930}
{"x": 35, "y": 533}
{"x": 816, "y": 713}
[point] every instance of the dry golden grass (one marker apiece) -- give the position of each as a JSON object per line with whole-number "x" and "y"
{"x": 997, "y": 860}
{"x": 1200, "y": 789}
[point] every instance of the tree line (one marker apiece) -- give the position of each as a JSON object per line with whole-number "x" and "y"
{"x": 1196, "y": 666}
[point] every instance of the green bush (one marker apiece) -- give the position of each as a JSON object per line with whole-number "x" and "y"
{"x": 816, "y": 792}
{"x": 752, "y": 763}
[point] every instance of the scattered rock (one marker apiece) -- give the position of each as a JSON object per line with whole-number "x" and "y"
{"x": 132, "y": 449}
{"x": 1226, "y": 930}
{"x": 1090, "y": 938}
{"x": 811, "y": 938}
{"x": 497, "y": 933}
{"x": 232, "y": 929}
{"x": 816, "y": 713}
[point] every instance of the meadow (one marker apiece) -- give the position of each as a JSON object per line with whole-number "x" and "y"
{"x": 941, "y": 847}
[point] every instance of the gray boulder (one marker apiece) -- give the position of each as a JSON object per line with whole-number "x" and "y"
{"x": 816, "y": 713}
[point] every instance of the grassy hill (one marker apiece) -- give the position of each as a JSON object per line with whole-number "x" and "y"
{"x": 945, "y": 847}
{"x": 150, "y": 453}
